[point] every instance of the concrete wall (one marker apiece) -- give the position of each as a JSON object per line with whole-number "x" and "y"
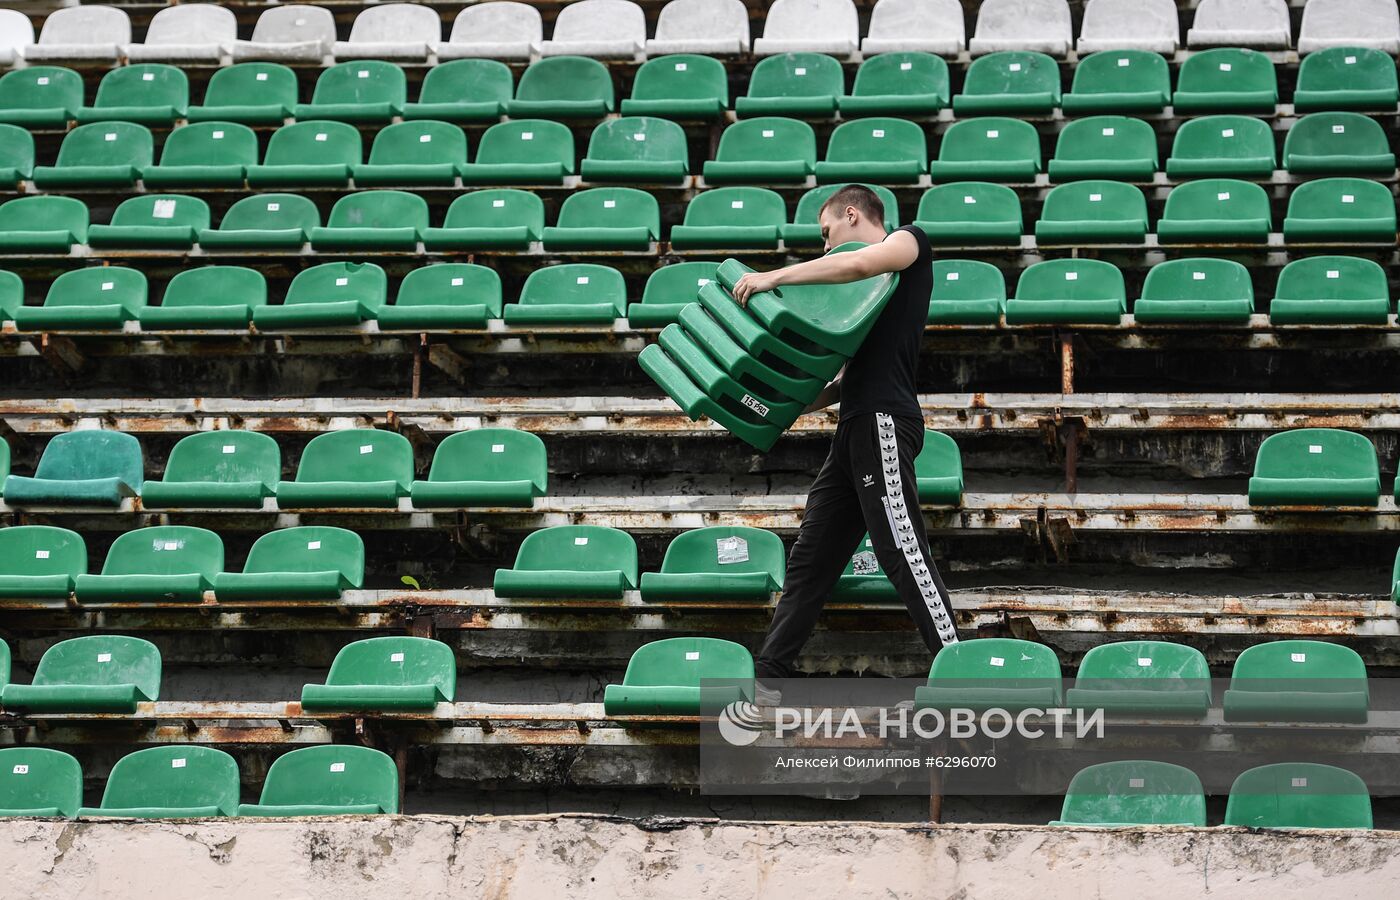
{"x": 568, "y": 857}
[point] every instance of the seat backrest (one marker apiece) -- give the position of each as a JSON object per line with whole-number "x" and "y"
{"x": 1175, "y": 666}
{"x": 1299, "y": 795}
{"x": 86, "y": 25}
{"x": 681, "y": 76}
{"x": 309, "y": 548}
{"x": 1341, "y": 198}
{"x": 251, "y": 83}
{"x": 452, "y": 284}
{"x": 918, "y": 20}
{"x": 39, "y": 778}
{"x": 601, "y": 20}
{"x": 863, "y": 561}
{"x": 726, "y": 549}
{"x": 45, "y": 214}
{"x": 736, "y": 206}
{"x": 497, "y": 208}
{"x": 1313, "y": 453}
{"x": 902, "y": 74}
{"x": 398, "y": 661}
{"x": 380, "y": 209}
{"x": 216, "y": 286}
{"x": 1223, "y": 137}
{"x": 102, "y": 659}
{"x": 797, "y": 75}
{"x": 16, "y": 148}
{"x": 144, "y": 84}
{"x": 566, "y": 78}
{"x": 162, "y": 211}
{"x": 579, "y": 548}
{"x": 1135, "y": 22}
{"x": 1197, "y": 279}
{"x": 1114, "y": 71}
{"x": 699, "y": 20}
{"x": 397, "y": 23}
{"x": 996, "y": 658}
{"x": 1135, "y": 792}
{"x": 102, "y": 286}
{"x": 41, "y": 87}
{"x": 1107, "y": 138}
{"x": 295, "y": 23}
{"x": 358, "y": 454}
{"x": 834, "y": 317}
{"x": 1093, "y": 201}
{"x": 939, "y": 458}
{"x": 467, "y": 79}
{"x": 966, "y": 279}
{"x": 678, "y": 282}
{"x": 880, "y": 140}
{"x": 1217, "y": 198}
{"x": 1239, "y": 21}
{"x": 638, "y": 138}
{"x": 491, "y": 454}
{"x": 362, "y": 81}
{"x": 1227, "y": 70}
{"x": 1353, "y": 22}
{"x": 179, "y": 776}
{"x": 1335, "y": 134}
{"x": 41, "y": 550}
{"x": 196, "y": 23}
{"x": 964, "y": 201}
{"x": 11, "y": 299}
{"x": 1332, "y": 278}
{"x": 16, "y": 31}
{"x": 320, "y": 143}
{"x": 576, "y": 283}
{"x": 1013, "y": 72}
{"x": 1023, "y": 20}
{"x": 611, "y": 207}
{"x": 991, "y": 138}
{"x": 809, "y": 205}
{"x": 107, "y": 144}
{"x": 812, "y": 20}
{"x": 225, "y": 457}
{"x": 684, "y": 661}
{"x": 210, "y": 143}
{"x": 333, "y": 775}
{"x": 527, "y": 141}
{"x": 1071, "y": 279}
{"x": 365, "y": 283}
{"x": 1333, "y": 69}
{"x": 271, "y": 212}
{"x": 503, "y": 21}
{"x": 80, "y": 455}
{"x": 768, "y": 137}
{"x": 166, "y": 550}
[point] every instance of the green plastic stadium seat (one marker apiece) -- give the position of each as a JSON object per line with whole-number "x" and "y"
{"x": 563, "y": 87}
{"x": 414, "y": 153}
{"x": 766, "y": 150}
{"x": 310, "y": 562}
{"x": 1335, "y": 78}
{"x": 1196, "y": 290}
{"x": 358, "y": 467}
{"x": 449, "y": 295}
{"x": 11, "y": 299}
{"x": 211, "y": 154}
{"x": 806, "y": 231}
{"x": 863, "y": 578}
{"x": 636, "y": 150}
{"x": 367, "y": 91}
{"x": 1012, "y": 82}
{"x": 890, "y": 151}
{"x": 522, "y": 151}
{"x": 1238, "y": 146}
{"x": 330, "y": 294}
{"x": 40, "y": 96}
{"x": 35, "y": 781}
{"x": 606, "y": 218}
{"x": 39, "y": 562}
{"x": 217, "y": 469}
{"x": 1299, "y": 795}
{"x": 178, "y": 782}
{"x": 330, "y": 780}
{"x": 264, "y": 222}
{"x": 992, "y": 673}
{"x": 308, "y": 154}
{"x": 719, "y": 563}
{"x": 898, "y": 84}
{"x": 253, "y": 93}
{"x": 81, "y": 468}
{"x": 571, "y": 294}
{"x": 104, "y": 154}
{"x": 1226, "y": 79}
{"x": 966, "y": 292}
{"x": 588, "y": 561}
{"x": 731, "y": 217}
{"x": 1340, "y": 210}
{"x": 373, "y": 221}
{"x": 793, "y": 84}
{"x": 162, "y": 563}
{"x": 153, "y": 222}
{"x": 991, "y": 149}
{"x": 1119, "y": 81}
{"x": 1331, "y": 290}
{"x": 679, "y": 86}
{"x": 147, "y": 93}
{"x": 207, "y": 297}
{"x": 1297, "y": 681}
{"x": 1151, "y": 678}
{"x": 90, "y": 674}
{"x": 970, "y": 212}
{"x": 1344, "y": 143}
{"x": 42, "y": 225}
{"x": 1315, "y": 467}
{"x": 16, "y": 155}
{"x": 463, "y": 91}
{"x": 386, "y": 674}
{"x": 938, "y": 470}
{"x": 1108, "y": 212}
{"x": 1215, "y": 211}
{"x": 1105, "y": 147}
{"x": 1394, "y": 580}
{"x": 502, "y": 219}
{"x": 485, "y": 467}
{"x": 664, "y": 678}
{"x": 95, "y": 298}
{"x": 1134, "y": 792}
{"x": 718, "y": 363}
{"x": 1068, "y": 290}
{"x": 669, "y": 290}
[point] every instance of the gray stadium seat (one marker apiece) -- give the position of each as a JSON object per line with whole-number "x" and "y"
{"x": 809, "y": 26}
{"x": 500, "y": 30}
{"x": 194, "y": 32}
{"x": 1040, "y": 25}
{"x": 1350, "y": 23}
{"x": 94, "y": 33}
{"x": 398, "y": 31}
{"x": 930, "y": 26}
{"x": 296, "y": 32}
{"x": 708, "y": 27}
{"x": 1257, "y": 24}
{"x": 1129, "y": 25}
{"x": 16, "y": 33}
{"x": 603, "y": 29}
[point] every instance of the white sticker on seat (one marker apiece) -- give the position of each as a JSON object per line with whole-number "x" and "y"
{"x": 580, "y": 541}
{"x": 1095, "y": 198}
{"x": 148, "y": 76}
{"x": 639, "y": 136}
{"x": 366, "y": 448}
{"x": 968, "y": 198}
{"x": 21, "y": 769}
{"x": 736, "y": 204}
{"x": 905, "y": 66}
{"x": 261, "y": 76}
{"x": 1144, "y": 661}
{"x": 800, "y": 70}
{"x": 177, "y": 763}
{"x": 701, "y": 282}
{"x": 1334, "y": 273}
{"x": 993, "y": 133}
{"x": 1314, "y": 448}
{"x": 337, "y": 767}
{"x": 1223, "y": 195}
{"x": 1124, "y": 63}
{"x": 342, "y": 282}
{"x": 497, "y": 204}
{"x": 527, "y": 135}
{"x": 1014, "y": 67}
{"x": 498, "y": 448}
{"x": 457, "y": 282}
{"x": 108, "y": 285}
{"x": 997, "y": 661}
{"x": 1349, "y": 60}
{"x": 1137, "y": 782}
{"x": 110, "y": 136}
{"x": 953, "y": 276}
{"x": 395, "y": 657}
{"x": 425, "y": 138}
{"x": 680, "y": 67}
{"x": 43, "y": 79}
{"x": 321, "y": 136}
{"x": 1225, "y": 67}
{"x": 1339, "y": 129}
{"x": 299, "y": 22}
{"x": 692, "y": 655}
{"x": 104, "y": 657}
{"x": 1108, "y": 132}
{"x": 877, "y": 132}
{"x": 1299, "y": 782}
{"x": 41, "y": 554}
{"x": 767, "y": 132}
{"x": 1348, "y": 198}
{"x": 1071, "y": 276}
{"x": 163, "y": 209}
{"x": 273, "y": 207}
{"x": 1227, "y": 132}
{"x": 1198, "y": 276}
{"x": 313, "y": 545}
{"x": 1298, "y": 657}
{"x": 582, "y": 279}
{"x": 169, "y": 545}
{"x": 363, "y": 73}
{"x": 609, "y": 204}
{"x": 218, "y": 135}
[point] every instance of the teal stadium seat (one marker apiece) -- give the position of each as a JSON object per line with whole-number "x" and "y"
{"x": 160, "y": 563}
{"x": 40, "y": 96}
{"x": 1359, "y": 78}
{"x": 38, "y": 782}
{"x": 571, "y": 294}
{"x": 218, "y": 469}
{"x": 720, "y": 562}
{"x": 419, "y": 154}
{"x": 1196, "y": 290}
{"x": 1068, "y": 290}
{"x": 185, "y": 781}
{"x": 16, "y": 156}
{"x": 145, "y": 93}
{"x": 308, "y": 154}
{"x": 1331, "y": 290}
{"x": 1340, "y": 210}
{"x": 1341, "y": 143}
{"x": 207, "y": 297}
{"x": 39, "y": 562}
{"x": 386, "y": 674}
{"x": 357, "y": 467}
{"x": 806, "y": 231}
{"x": 485, "y": 467}
{"x": 206, "y": 155}
{"x": 1119, "y": 81}
{"x": 636, "y": 150}
{"x": 1010, "y": 82}
{"x": 103, "y": 154}
{"x": 522, "y": 151}
{"x": 448, "y": 295}
{"x": 251, "y": 93}
{"x": 1226, "y": 79}
{"x": 668, "y": 290}
{"x": 97, "y": 673}
{"x": 583, "y": 561}
{"x": 1144, "y": 678}
{"x": 887, "y": 151}
{"x": 863, "y": 579}
{"x": 309, "y": 562}
{"x": 11, "y": 299}
{"x": 668, "y": 678}
{"x": 938, "y": 470}
{"x": 362, "y": 91}
{"x": 966, "y": 292}
{"x": 764, "y": 150}
{"x": 330, "y": 295}
{"x": 1216, "y": 146}
{"x": 42, "y": 225}
{"x": 1114, "y": 147}
{"x": 500, "y": 219}
{"x": 330, "y": 780}
{"x": 606, "y": 218}
{"x": 1298, "y": 681}
{"x": 563, "y": 87}
{"x": 970, "y": 213}
{"x": 898, "y": 84}
{"x": 1134, "y": 792}
{"x": 731, "y": 217}
{"x": 153, "y": 222}
{"x": 992, "y": 673}
{"x": 1097, "y": 212}
{"x": 94, "y": 299}
{"x": 679, "y": 87}
{"x": 463, "y": 92}
{"x": 990, "y": 149}
{"x": 1215, "y": 211}
{"x": 81, "y": 468}
{"x": 1315, "y": 467}
{"x": 1299, "y": 795}
{"x": 800, "y": 85}
{"x": 263, "y": 222}
{"x": 373, "y": 221}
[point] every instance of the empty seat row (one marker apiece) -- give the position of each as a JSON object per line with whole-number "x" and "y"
{"x": 1316, "y": 467}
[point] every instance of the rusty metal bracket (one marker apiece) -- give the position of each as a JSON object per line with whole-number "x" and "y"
{"x": 1052, "y": 536}
{"x": 61, "y": 354}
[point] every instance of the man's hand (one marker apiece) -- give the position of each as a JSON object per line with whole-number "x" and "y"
{"x": 753, "y": 283}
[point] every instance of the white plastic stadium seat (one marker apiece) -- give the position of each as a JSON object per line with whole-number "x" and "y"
{"x": 498, "y": 30}
{"x": 292, "y": 33}
{"x": 81, "y": 33}
{"x": 1149, "y": 25}
{"x": 930, "y": 26}
{"x": 1040, "y": 25}
{"x": 1259, "y": 24}
{"x": 16, "y": 33}
{"x": 711, "y": 27}
{"x": 1350, "y": 23}
{"x": 810, "y": 26}
{"x": 403, "y": 31}
{"x": 194, "y": 32}
{"x": 605, "y": 29}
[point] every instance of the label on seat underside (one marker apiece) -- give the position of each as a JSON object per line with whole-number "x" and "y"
{"x": 755, "y": 405}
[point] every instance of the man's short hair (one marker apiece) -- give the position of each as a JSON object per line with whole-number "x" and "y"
{"x": 859, "y": 196}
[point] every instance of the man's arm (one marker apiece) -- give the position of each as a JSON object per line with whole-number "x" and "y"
{"x": 894, "y": 254}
